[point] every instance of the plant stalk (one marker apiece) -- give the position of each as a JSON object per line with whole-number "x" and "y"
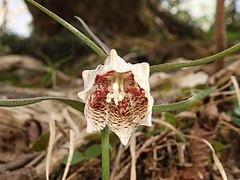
{"x": 105, "y": 153}
{"x": 178, "y": 65}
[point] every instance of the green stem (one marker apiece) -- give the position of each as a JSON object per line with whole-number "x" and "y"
{"x": 85, "y": 39}
{"x": 172, "y": 66}
{"x": 105, "y": 153}
{"x": 182, "y": 104}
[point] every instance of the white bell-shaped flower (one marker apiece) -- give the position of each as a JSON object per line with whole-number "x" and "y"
{"x": 117, "y": 94}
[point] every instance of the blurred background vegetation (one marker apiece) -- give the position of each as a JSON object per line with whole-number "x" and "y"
{"x": 149, "y": 30}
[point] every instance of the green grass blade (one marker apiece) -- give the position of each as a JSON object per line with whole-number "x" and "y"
{"x": 80, "y": 35}
{"x": 27, "y": 101}
{"x": 210, "y": 59}
{"x": 182, "y": 104}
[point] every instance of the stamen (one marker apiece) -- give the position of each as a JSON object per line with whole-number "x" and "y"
{"x": 115, "y": 86}
{"x": 116, "y": 91}
{"x": 121, "y": 96}
{"x": 116, "y": 100}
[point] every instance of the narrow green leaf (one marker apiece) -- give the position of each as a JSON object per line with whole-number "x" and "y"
{"x": 236, "y": 121}
{"x": 77, "y": 158}
{"x": 182, "y": 104}
{"x": 177, "y": 65}
{"x": 80, "y": 35}
{"x": 237, "y": 111}
{"x": 170, "y": 118}
{"x": 93, "y": 151}
{"x": 47, "y": 78}
{"x": 27, "y": 101}
{"x": 180, "y": 138}
{"x": 63, "y": 60}
{"x": 219, "y": 146}
{"x": 41, "y": 143}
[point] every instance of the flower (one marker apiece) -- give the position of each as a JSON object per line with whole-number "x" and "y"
{"x": 117, "y": 94}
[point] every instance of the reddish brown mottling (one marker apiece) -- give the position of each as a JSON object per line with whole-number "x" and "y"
{"x": 128, "y": 113}
{"x": 99, "y": 91}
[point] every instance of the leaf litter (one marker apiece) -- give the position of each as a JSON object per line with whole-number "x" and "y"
{"x": 157, "y": 152}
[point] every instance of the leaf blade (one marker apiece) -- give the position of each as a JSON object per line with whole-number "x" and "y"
{"x": 206, "y": 60}
{"x": 28, "y": 101}
{"x": 182, "y": 104}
